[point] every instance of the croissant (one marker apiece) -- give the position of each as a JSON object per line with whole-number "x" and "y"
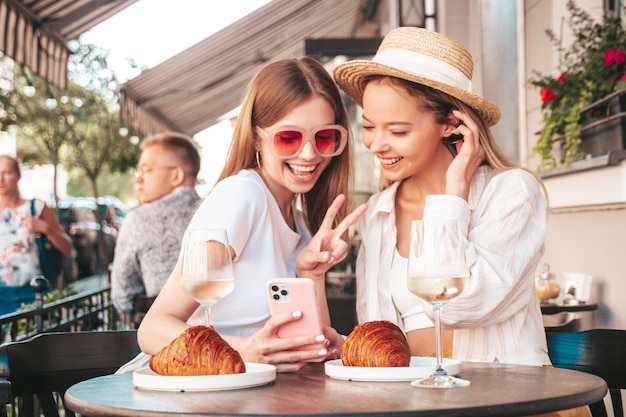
{"x": 199, "y": 350}
{"x": 378, "y": 343}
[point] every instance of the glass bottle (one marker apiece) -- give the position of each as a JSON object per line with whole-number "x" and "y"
{"x": 546, "y": 286}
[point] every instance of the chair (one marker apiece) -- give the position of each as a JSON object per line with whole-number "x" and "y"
{"x": 564, "y": 322}
{"x": 141, "y": 304}
{"x": 52, "y": 362}
{"x": 597, "y": 351}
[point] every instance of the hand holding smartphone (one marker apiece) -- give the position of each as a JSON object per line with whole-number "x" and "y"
{"x": 287, "y": 295}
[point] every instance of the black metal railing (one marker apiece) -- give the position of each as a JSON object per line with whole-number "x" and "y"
{"x": 86, "y": 311}
{"x": 91, "y": 309}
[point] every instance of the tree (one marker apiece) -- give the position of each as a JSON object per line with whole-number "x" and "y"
{"x": 97, "y": 140}
{"x": 79, "y": 127}
{"x": 28, "y": 104}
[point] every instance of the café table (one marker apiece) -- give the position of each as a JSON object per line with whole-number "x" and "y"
{"x": 560, "y": 307}
{"x": 495, "y": 390}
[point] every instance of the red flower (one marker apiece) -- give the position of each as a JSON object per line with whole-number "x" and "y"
{"x": 546, "y": 95}
{"x": 561, "y": 77}
{"x": 614, "y": 56}
{"x": 622, "y": 78}
{"x": 608, "y": 58}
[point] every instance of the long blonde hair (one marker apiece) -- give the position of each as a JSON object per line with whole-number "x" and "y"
{"x": 275, "y": 90}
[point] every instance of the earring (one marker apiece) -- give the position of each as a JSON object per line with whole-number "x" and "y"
{"x": 258, "y": 159}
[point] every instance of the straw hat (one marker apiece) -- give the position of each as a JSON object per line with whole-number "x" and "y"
{"x": 421, "y": 56}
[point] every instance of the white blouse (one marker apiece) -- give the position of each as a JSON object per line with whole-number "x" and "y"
{"x": 498, "y": 318}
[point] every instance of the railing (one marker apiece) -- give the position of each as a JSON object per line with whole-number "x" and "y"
{"x": 89, "y": 310}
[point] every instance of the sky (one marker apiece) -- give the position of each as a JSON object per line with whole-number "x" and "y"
{"x": 152, "y": 31}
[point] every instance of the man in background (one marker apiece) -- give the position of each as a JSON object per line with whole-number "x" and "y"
{"x": 149, "y": 240}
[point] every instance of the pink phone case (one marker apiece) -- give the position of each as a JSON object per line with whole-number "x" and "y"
{"x": 296, "y": 294}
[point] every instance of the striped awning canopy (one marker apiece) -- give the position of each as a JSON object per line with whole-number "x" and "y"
{"x": 35, "y": 33}
{"x": 191, "y": 90}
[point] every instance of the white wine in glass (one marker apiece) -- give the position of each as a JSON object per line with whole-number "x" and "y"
{"x": 207, "y": 269}
{"x": 437, "y": 272}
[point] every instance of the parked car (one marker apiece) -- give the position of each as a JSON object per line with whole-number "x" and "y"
{"x": 93, "y": 229}
{"x": 113, "y": 210}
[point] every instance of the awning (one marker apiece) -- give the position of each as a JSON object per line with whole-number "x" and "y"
{"x": 35, "y": 32}
{"x": 191, "y": 90}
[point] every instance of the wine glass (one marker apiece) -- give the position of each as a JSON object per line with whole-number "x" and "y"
{"x": 207, "y": 269}
{"x": 437, "y": 272}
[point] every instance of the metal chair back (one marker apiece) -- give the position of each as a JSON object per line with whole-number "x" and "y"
{"x": 50, "y": 363}
{"x": 596, "y": 351}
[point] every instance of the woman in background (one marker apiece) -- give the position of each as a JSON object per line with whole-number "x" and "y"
{"x": 20, "y": 220}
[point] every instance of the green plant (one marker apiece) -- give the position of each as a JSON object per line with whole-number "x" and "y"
{"x": 54, "y": 295}
{"x": 593, "y": 66}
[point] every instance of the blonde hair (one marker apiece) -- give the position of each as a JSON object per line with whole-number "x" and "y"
{"x": 276, "y": 90}
{"x": 182, "y": 145}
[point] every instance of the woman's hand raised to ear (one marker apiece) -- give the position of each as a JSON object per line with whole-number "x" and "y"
{"x": 327, "y": 247}
{"x": 470, "y": 155}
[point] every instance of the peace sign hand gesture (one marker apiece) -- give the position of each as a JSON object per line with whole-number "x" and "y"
{"x": 327, "y": 247}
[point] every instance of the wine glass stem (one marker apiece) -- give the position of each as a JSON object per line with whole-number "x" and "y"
{"x": 439, "y": 344}
{"x": 207, "y": 314}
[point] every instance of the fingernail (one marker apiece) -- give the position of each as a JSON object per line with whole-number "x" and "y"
{"x": 320, "y": 338}
{"x": 325, "y": 256}
{"x": 322, "y": 352}
{"x": 297, "y": 314}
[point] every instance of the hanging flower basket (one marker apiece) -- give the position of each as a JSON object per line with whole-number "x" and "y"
{"x": 586, "y": 100}
{"x": 604, "y": 125}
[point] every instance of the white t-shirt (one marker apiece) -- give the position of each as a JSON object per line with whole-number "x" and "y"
{"x": 409, "y": 305}
{"x": 265, "y": 247}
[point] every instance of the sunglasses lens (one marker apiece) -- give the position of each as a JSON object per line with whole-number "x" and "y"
{"x": 327, "y": 141}
{"x": 287, "y": 142}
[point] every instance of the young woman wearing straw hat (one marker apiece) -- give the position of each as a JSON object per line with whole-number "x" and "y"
{"x": 431, "y": 135}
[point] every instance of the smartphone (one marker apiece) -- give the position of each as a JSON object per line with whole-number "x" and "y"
{"x": 296, "y": 294}
{"x": 452, "y": 140}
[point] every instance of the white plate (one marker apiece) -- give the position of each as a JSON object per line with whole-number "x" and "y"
{"x": 256, "y": 374}
{"x": 420, "y": 367}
